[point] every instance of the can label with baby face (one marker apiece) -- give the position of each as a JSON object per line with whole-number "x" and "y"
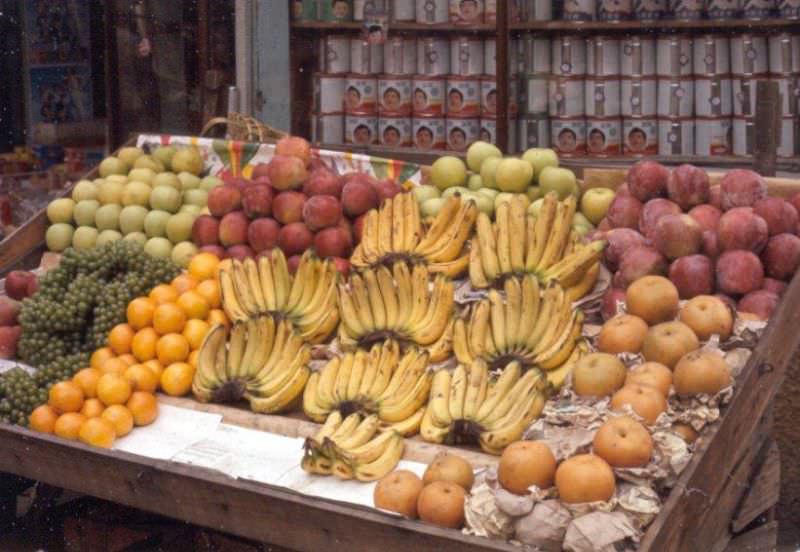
{"x": 713, "y": 97}
{"x": 602, "y": 97}
{"x": 533, "y": 132}
{"x": 461, "y": 133}
{"x": 466, "y": 12}
{"x": 568, "y": 136}
{"x": 639, "y": 97}
{"x": 328, "y": 93}
{"x": 427, "y": 96}
{"x": 639, "y": 136}
{"x": 711, "y": 55}
{"x": 433, "y": 56}
{"x": 638, "y": 56}
{"x": 362, "y": 7}
{"x": 429, "y": 133}
{"x": 687, "y": 10}
{"x": 466, "y": 56}
{"x": 304, "y": 10}
{"x": 394, "y": 131}
{"x": 676, "y": 136}
{"x": 675, "y": 97}
{"x": 579, "y": 10}
{"x": 569, "y": 56}
{"x": 536, "y": 54}
{"x": 674, "y": 56}
{"x": 463, "y": 96}
{"x": 360, "y": 95}
{"x": 336, "y": 10}
{"x": 566, "y": 97}
{"x": 604, "y": 137}
{"x": 327, "y": 129}
{"x": 650, "y": 10}
{"x": 784, "y": 53}
{"x": 749, "y": 54}
{"x": 790, "y": 137}
{"x": 758, "y": 9}
{"x": 743, "y": 135}
{"x": 402, "y": 10}
{"x": 713, "y": 136}
{"x": 400, "y": 55}
{"x": 789, "y": 9}
{"x": 488, "y": 100}
{"x": 535, "y": 10}
{"x": 614, "y": 10}
{"x": 490, "y": 57}
{"x": 335, "y": 54}
{"x": 602, "y": 56}
{"x": 488, "y": 131}
{"x": 723, "y": 9}
{"x": 361, "y": 130}
{"x": 789, "y": 90}
{"x": 365, "y": 58}
{"x": 394, "y": 96}
{"x": 432, "y": 11}
{"x": 536, "y": 95}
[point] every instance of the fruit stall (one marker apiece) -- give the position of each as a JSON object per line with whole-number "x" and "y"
{"x": 320, "y": 349}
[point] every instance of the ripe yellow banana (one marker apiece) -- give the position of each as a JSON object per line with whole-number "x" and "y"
{"x": 458, "y": 393}
{"x": 230, "y": 303}
{"x": 408, "y": 427}
{"x": 499, "y": 389}
{"x": 559, "y": 236}
{"x": 479, "y": 330}
{"x": 516, "y": 230}
{"x": 476, "y": 389}
{"x": 585, "y": 285}
{"x": 439, "y": 403}
{"x": 375, "y": 299}
{"x": 513, "y": 308}
{"x": 488, "y": 248}
{"x": 558, "y": 355}
{"x": 430, "y": 431}
{"x": 440, "y": 311}
{"x": 385, "y": 463}
{"x": 441, "y": 223}
{"x": 398, "y": 223}
{"x": 498, "y": 322}
{"x": 281, "y": 279}
{"x": 461, "y": 343}
{"x": 501, "y": 217}
{"x": 542, "y": 230}
{"x": 311, "y": 406}
{"x": 476, "y": 275}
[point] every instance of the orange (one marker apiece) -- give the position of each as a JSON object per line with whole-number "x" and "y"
{"x": 183, "y": 282}
{"x": 203, "y": 266}
{"x": 141, "y": 378}
{"x": 144, "y": 408}
{"x": 98, "y": 432}
{"x": 113, "y": 389}
{"x": 120, "y": 417}
{"x": 144, "y": 344}
{"x": 194, "y": 331}
{"x": 172, "y": 348}
{"x": 209, "y": 290}
{"x": 43, "y": 418}
{"x": 128, "y": 359}
{"x": 68, "y": 425}
{"x": 163, "y": 293}
{"x": 156, "y": 367}
{"x": 193, "y": 305}
{"x": 168, "y": 318}
{"x": 218, "y": 316}
{"x": 92, "y": 408}
{"x": 225, "y": 265}
{"x": 176, "y": 380}
{"x": 114, "y": 365}
{"x": 119, "y": 338}
{"x": 140, "y": 312}
{"x": 100, "y": 356}
{"x": 87, "y": 380}
{"x": 192, "y": 360}
{"x": 66, "y": 396}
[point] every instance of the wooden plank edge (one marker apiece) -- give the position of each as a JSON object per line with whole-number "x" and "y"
{"x": 764, "y": 489}
{"x": 760, "y": 539}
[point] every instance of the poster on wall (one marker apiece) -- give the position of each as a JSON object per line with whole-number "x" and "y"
{"x": 57, "y": 31}
{"x": 60, "y": 94}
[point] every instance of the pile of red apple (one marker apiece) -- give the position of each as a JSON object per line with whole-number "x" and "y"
{"x": 729, "y": 239}
{"x": 19, "y": 284}
{"x": 294, "y": 203}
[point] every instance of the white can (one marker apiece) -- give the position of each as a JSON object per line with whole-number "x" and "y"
{"x": 394, "y": 96}
{"x": 638, "y": 97}
{"x": 327, "y": 129}
{"x": 428, "y": 96}
{"x": 602, "y": 56}
{"x": 687, "y": 10}
{"x": 675, "y": 97}
{"x": 536, "y": 94}
{"x": 676, "y": 136}
{"x": 569, "y": 56}
{"x": 614, "y": 10}
{"x": 488, "y": 101}
{"x": 711, "y": 55}
{"x": 744, "y": 96}
{"x": 400, "y": 55}
{"x": 790, "y": 137}
{"x": 429, "y": 133}
{"x": 536, "y": 10}
{"x": 431, "y": 12}
{"x": 433, "y": 56}
{"x": 712, "y": 136}
{"x": 328, "y": 93}
{"x": 579, "y": 10}
{"x": 639, "y": 136}
{"x": 743, "y": 135}
{"x": 784, "y": 53}
{"x": 461, "y": 133}
{"x": 490, "y": 11}
{"x": 713, "y": 97}
{"x": 650, "y": 10}
{"x": 365, "y": 58}
{"x": 536, "y": 54}
{"x": 533, "y": 132}
{"x": 789, "y": 87}
{"x": 335, "y": 54}
{"x": 568, "y": 136}
{"x": 749, "y": 54}
{"x": 466, "y": 56}
{"x": 463, "y": 96}
{"x": 466, "y": 13}
{"x": 723, "y": 9}
{"x": 402, "y": 10}
{"x": 758, "y": 9}
{"x": 362, "y": 7}
{"x": 361, "y": 130}
{"x": 490, "y": 57}
{"x": 488, "y": 132}
{"x": 602, "y": 97}
{"x": 604, "y": 137}
{"x": 674, "y": 56}
{"x": 361, "y": 95}
{"x": 789, "y": 9}
{"x": 394, "y": 131}
{"x": 566, "y": 97}
{"x": 638, "y": 56}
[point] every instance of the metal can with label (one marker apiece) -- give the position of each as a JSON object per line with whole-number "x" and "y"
{"x": 568, "y": 136}
{"x": 711, "y": 55}
{"x": 536, "y": 10}
{"x": 790, "y": 137}
{"x": 536, "y": 55}
{"x": 749, "y": 54}
{"x": 365, "y": 58}
{"x": 566, "y": 97}
{"x": 433, "y": 56}
{"x": 650, "y": 10}
{"x": 360, "y": 95}
{"x": 466, "y": 56}
{"x": 676, "y": 136}
{"x": 789, "y": 9}
{"x": 759, "y": 9}
{"x": 463, "y": 96}
{"x": 784, "y": 53}
{"x": 304, "y": 10}
{"x": 536, "y": 94}
{"x": 402, "y": 10}
{"x": 488, "y": 132}
{"x": 429, "y": 133}
{"x": 744, "y": 96}
{"x": 789, "y": 89}
{"x": 638, "y": 56}
{"x": 432, "y": 12}
{"x": 488, "y": 100}
{"x": 361, "y": 130}
{"x": 466, "y": 13}
{"x": 674, "y": 56}
{"x": 394, "y": 131}
{"x": 639, "y": 97}
{"x": 569, "y": 56}
{"x": 338, "y": 10}
{"x": 400, "y": 55}
{"x": 712, "y": 136}
{"x": 639, "y": 136}
{"x": 335, "y": 54}
{"x": 461, "y": 133}
{"x": 602, "y": 56}
{"x": 490, "y": 57}
{"x": 362, "y": 7}
{"x": 533, "y": 131}
{"x": 743, "y": 135}
{"x": 604, "y": 137}
{"x": 327, "y": 129}
{"x": 687, "y": 10}
{"x": 675, "y": 97}
{"x": 602, "y": 97}
{"x": 579, "y": 10}
{"x": 614, "y": 10}
{"x": 427, "y": 96}
{"x": 723, "y": 9}
{"x": 394, "y": 96}
{"x": 713, "y": 97}
{"x": 328, "y": 93}
{"x": 490, "y": 11}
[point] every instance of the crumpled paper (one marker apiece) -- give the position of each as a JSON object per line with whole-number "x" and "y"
{"x": 465, "y": 294}
{"x": 483, "y": 517}
{"x": 599, "y": 532}
{"x": 564, "y": 442}
{"x": 641, "y": 502}
{"x": 544, "y": 527}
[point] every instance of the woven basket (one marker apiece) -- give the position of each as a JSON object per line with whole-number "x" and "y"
{"x": 243, "y": 128}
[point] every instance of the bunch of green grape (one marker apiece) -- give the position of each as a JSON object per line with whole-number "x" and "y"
{"x": 19, "y": 395}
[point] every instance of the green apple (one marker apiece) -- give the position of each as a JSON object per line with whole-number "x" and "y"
{"x": 194, "y": 210}
{"x": 112, "y": 165}
{"x": 165, "y": 198}
{"x": 533, "y": 193}
{"x": 137, "y": 237}
{"x": 183, "y": 252}
{"x": 539, "y": 158}
{"x": 513, "y": 175}
{"x": 447, "y": 172}
{"x": 84, "y": 189}
{"x": 488, "y": 170}
{"x": 121, "y": 178}
{"x": 579, "y": 219}
{"x": 131, "y": 219}
{"x": 129, "y": 155}
{"x": 535, "y": 207}
{"x": 164, "y": 154}
{"x": 475, "y": 182}
{"x": 179, "y": 227}
{"x": 209, "y": 182}
{"x": 196, "y": 197}
{"x": 167, "y": 179}
{"x": 491, "y": 193}
{"x": 84, "y": 237}
{"x": 110, "y": 192}
{"x": 425, "y": 192}
{"x": 187, "y": 159}
{"x": 479, "y": 152}
{"x": 107, "y": 217}
{"x": 158, "y": 247}
{"x": 142, "y": 175}
{"x": 460, "y": 190}
{"x": 188, "y": 181}
{"x": 431, "y": 207}
{"x": 107, "y": 236}
{"x": 149, "y": 162}
{"x": 59, "y": 236}
{"x": 85, "y": 211}
{"x": 61, "y": 210}
{"x": 580, "y": 229}
{"x": 484, "y": 203}
{"x": 136, "y": 193}
{"x": 595, "y": 202}
{"x": 559, "y": 180}
{"x": 155, "y": 224}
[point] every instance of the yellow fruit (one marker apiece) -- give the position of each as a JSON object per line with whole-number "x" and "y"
{"x": 114, "y": 366}
{"x": 66, "y": 396}
{"x": 87, "y": 380}
{"x": 168, "y": 318}
{"x": 163, "y": 293}
{"x": 92, "y": 408}
{"x": 120, "y": 337}
{"x": 141, "y": 378}
{"x": 43, "y": 419}
{"x": 209, "y": 290}
{"x": 203, "y": 266}
{"x": 225, "y": 264}
{"x": 217, "y": 316}
{"x": 140, "y": 312}
{"x": 193, "y": 305}
{"x": 156, "y": 367}
{"x": 69, "y": 425}
{"x": 100, "y": 356}
{"x": 172, "y": 348}
{"x": 120, "y": 417}
{"x": 183, "y": 283}
{"x": 98, "y": 432}
{"x": 194, "y": 332}
{"x": 192, "y": 360}
{"x": 144, "y": 344}
{"x": 144, "y": 408}
{"x": 113, "y": 389}
{"x": 128, "y": 359}
{"x": 176, "y": 380}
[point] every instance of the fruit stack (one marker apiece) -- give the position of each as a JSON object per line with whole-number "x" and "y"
{"x": 19, "y": 284}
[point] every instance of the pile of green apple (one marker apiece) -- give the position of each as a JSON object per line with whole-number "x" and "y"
{"x": 150, "y": 199}
{"x": 490, "y": 178}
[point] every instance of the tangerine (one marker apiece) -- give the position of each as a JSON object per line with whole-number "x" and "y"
{"x": 192, "y": 360}
{"x": 114, "y": 365}
{"x": 168, "y": 318}
{"x": 92, "y": 408}
{"x": 194, "y": 332}
{"x": 144, "y": 344}
{"x": 98, "y": 432}
{"x": 43, "y": 418}
{"x": 209, "y": 290}
{"x": 87, "y": 378}
{"x": 141, "y": 378}
{"x": 183, "y": 283}
{"x": 66, "y": 396}
{"x": 128, "y": 359}
{"x": 171, "y": 348}
{"x": 120, "y": 337}
{"x": 144, "y": 408}
{"x": 120, "y": 417}
{"x": 218, "y": 316}
{"x": 69, "y": 425}
{"x": 225, "y": 264}
{"x": 156, "y": 367}
{"x": 140, "y": 312}
{"x": 203, "y": 266}
{"x": 113, "y": 389}
{"x": 100, "y": 356}
{"x": 193, "y": 305}
{"x": 176, "y": 380}
{"x": 163, "y": 293}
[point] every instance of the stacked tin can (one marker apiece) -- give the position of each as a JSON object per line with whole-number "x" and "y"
{"x": 602, "y": 103}
{"x": 639, "y": 96}
{"x": 361, "y": 93}
{"x": 395, "y": 92}
{"x": 565, "y": 99}
{"x": 327, "y": 118}
{"x": 464, "y": 91}
{"x": 429, "y": 89}
{"x": 534, "y": 64}
{"x": 784, "y": 66}
{"x": 675, "y": 95}
{"x": 749, "y": 64}
{"x": 713, "y": 95}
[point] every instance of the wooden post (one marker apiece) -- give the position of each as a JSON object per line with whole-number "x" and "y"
{"x": 503, "y": 75}
{"x": 767, "y": 125}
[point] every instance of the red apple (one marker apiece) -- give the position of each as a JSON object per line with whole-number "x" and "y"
{"x": 9, "y": 337}
{"x": 605, "y": 224}
{"x": 677, "y": 236}
{"x": 332, "y": 242}
{"x": 739, "y": 272}
{"x": 294, "y": 146}
{"x": 321, "y": 212}
{"x": 240, "y": 251}
{"x": 775, "y": 286}
{"x": 287, "y": 207}
{"x": 295, "y": 238}
{"x": 9, "y": 311}
{"x": 741, "y": 228}
{"x": 781, "y": 256}
{"x": 647, "y": 180}
{"x": 358, "y": 227}
{"x": 233, "y": 229}
{"x": 347, "y": 228}
{"x": 620, "y": 240}
{"x": 223, "y": 200}
{"x": 623, "y": 189}
{"x": 205, "y": 230}
{"x": 688, "y": 186}
{"x": 359, "y": 195}
{"x": 387, "y": 188}
{"x": 611, "y": 298}
{"x": 728, "y": 300}
{"x": 293, "y": 262}
{"x": 762, "y": 303}
{"x": 795, "y": 201}
{"x": 692, "y": 275}
{"x": 342, "y": 266}
{"x": 781, "y": 216}
{"x": 652, "y": 211}
{"x": 262, "y": 234}
{"x": 218, "y": 250}
{"x": 260, "y": 171}
{"x": 710, "y": 246}
{"x": 257, "y": 201}
{"x": 707, "y": 216}
{"x": 323, "y": 182}
{"x": 715, "y": 196}
{"x": 17, "y": 284}
{"x": 287, "y": 172}
{"x": 742, "y": 188}
{"x": 637, "y": 262}
{"x": 624, "y": 211}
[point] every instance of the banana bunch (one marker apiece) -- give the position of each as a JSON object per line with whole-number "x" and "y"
{"x": 262, "y": 360}
{"x": 352, "y": 448}
{"x": 381, "y": 303}
{"x": 535, "y": 327}
{"x": 252, "y": 288}
{"x": 467, "y": 405}
{"x": 545, "y": 245}
{"x": 382, "y": 382}
{"x": 395, "y": 231}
